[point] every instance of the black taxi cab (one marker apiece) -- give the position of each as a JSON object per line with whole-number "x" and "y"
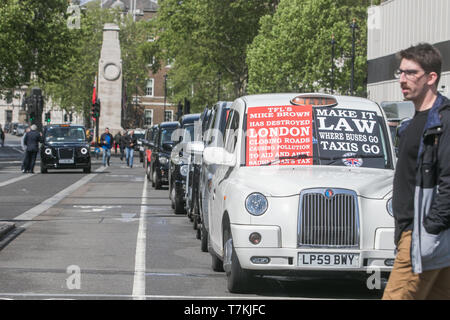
{"x": 65, "y": 147}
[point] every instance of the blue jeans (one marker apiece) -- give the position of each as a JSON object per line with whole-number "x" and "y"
{"x": 130, "y": 155}
{"x": 106, "y": 156}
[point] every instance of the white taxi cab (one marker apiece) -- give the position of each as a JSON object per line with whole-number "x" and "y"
{"x": 304, "y": 184}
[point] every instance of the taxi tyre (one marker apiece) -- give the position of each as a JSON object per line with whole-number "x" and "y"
{"x": 203, "y": 238}
{"x": 43, "y": 170}
{"x": 87, "y": 170}
{"x": 179, "y": 207}
{"x": 238, "y": 279}
{"x": 156, "y": 182}
{"x": 172, "y": 203}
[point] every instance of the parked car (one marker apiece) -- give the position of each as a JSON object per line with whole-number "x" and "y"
{"x": 160, "y": 157}
{"x": 178, "y": 166}
{"x": 195, "y": 151}
{"x": 150, "y": 136}
{"x": 14, "y": 128}
{"x": 20, "y": 130}
{"x": 65, "y": 147}
{"x": 213, "y": 136}
{"x": 140, "y": 134}
{"x": 303, "y": 185}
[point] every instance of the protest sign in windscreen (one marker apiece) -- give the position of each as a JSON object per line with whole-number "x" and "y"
{"x": 279, "y": 132}
{"x": 321, "y": 135}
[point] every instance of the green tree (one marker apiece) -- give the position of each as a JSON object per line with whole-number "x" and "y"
{"x": 292, "y": 51}
{"x": 34, "y": 39}
{"x": 73, "y": 91}
{"x": 205, "y": 37}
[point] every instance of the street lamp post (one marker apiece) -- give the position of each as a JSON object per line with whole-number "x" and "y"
{"x": 352, "y": 79}
{"x": 165, "y": 96}
{"x": 333, "y": 43}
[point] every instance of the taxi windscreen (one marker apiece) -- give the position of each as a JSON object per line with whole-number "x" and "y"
{"x": 306, "y": 135}
{"x": 166, "y": 135}
{"x": 65, "y": 134}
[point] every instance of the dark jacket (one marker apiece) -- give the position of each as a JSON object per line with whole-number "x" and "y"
{"x": 118, "y": 140}
{"x": 430, "y": 248}
{"x": 130, "y": 141}
{"x": 103, "y": 141}
{"x": 32, "y": 140}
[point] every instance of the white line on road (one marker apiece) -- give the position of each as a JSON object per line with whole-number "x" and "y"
{"x": 5, "y": 183}
{"x": 150, "y": 297}
{"x": 50, "y": 202}
{"x": 139, "y": 268}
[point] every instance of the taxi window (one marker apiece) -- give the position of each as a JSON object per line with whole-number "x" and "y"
{"x": 188, "y": 133}
{"x": 166, "y": 135}
{"x": 231, "y": 131}
{"x": 306, "y": 135}
{"x": 65, "y": 134}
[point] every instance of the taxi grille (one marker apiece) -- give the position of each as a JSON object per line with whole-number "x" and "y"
{"x": 328, "y": 221}
{"x": 65, "y": 153}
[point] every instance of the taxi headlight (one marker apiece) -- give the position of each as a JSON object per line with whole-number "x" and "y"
{"x": 184, "y": 170}
{"x": 163, "y": 160}
{"x": 48, "y": 151}
{"x": 256, "y": 204}
{"x": 84, "y": 151}
{"x": 389, "y": 207}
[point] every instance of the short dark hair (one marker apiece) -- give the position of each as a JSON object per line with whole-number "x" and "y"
{"x": 426, "y": 55}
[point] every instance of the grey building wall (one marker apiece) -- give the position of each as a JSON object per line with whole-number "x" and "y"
{"x": 395, "y": 25}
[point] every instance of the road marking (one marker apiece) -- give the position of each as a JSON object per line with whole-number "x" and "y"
{"x": 50, "y": 202}
{"x": 5, "y": 183}
{"x": 152, "y": 296}
{"x": 139, "y": 267}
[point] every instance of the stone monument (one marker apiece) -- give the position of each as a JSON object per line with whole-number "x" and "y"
{"x": 110, "y": 80}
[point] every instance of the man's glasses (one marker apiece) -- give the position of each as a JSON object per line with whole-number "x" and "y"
{"x": 410, "y": 74}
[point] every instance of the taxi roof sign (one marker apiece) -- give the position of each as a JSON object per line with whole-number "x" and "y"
{"x": 314, "y": 100}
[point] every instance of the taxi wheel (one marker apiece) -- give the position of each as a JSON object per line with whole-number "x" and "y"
{"x": 238, "y": 279}
{"x": 87, "y": 170}
{"x": 43, "y": 170}
{"x": 179, "y": 207}
{"x": 203, "y": 238}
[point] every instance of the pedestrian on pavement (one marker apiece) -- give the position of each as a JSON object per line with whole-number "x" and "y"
{"x": 117, "y": 139}
{"x": 31, "y": 143}
{"x": 24, "y": 148}
{"x": 122, "y": 145}
{"x": 421, "y": 191}
{"x": 130, "y": 143}
{"x": 2, "y": 136}
{"x": 106, "y": 142}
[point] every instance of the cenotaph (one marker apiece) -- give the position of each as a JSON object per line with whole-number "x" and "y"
{"x": 110, "y": 80}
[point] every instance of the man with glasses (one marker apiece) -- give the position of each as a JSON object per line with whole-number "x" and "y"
{"x": 421, "y": 192}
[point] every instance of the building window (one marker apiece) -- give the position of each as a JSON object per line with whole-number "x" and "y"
{"x": 148, "y": 117}
{"x": 168, "y": 115}
{"x": 149, "y": 87}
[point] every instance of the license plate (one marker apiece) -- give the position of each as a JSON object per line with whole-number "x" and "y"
{"x": 65, "y": 161}
{"x": 328, "y": 260}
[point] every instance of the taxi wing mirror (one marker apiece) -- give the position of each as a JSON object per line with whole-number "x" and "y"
{"x": 219, "y": 156}
{"x": 195, "y": 147}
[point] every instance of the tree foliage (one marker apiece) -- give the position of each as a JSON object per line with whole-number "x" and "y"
{"x": 207, "y": 40}
{"x": 34, "y": 39}
{"x": 292, "y": 51}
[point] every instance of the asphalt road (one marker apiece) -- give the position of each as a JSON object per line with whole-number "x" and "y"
{"x": 110, "y": 235}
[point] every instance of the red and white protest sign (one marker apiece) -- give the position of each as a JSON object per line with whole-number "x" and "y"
{"x": 278, "y": 132}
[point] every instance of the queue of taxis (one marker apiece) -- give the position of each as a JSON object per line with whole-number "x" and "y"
{"x": 303, "y": 185}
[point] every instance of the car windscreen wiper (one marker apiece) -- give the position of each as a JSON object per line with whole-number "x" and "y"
{"x": 333, "y": 159}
